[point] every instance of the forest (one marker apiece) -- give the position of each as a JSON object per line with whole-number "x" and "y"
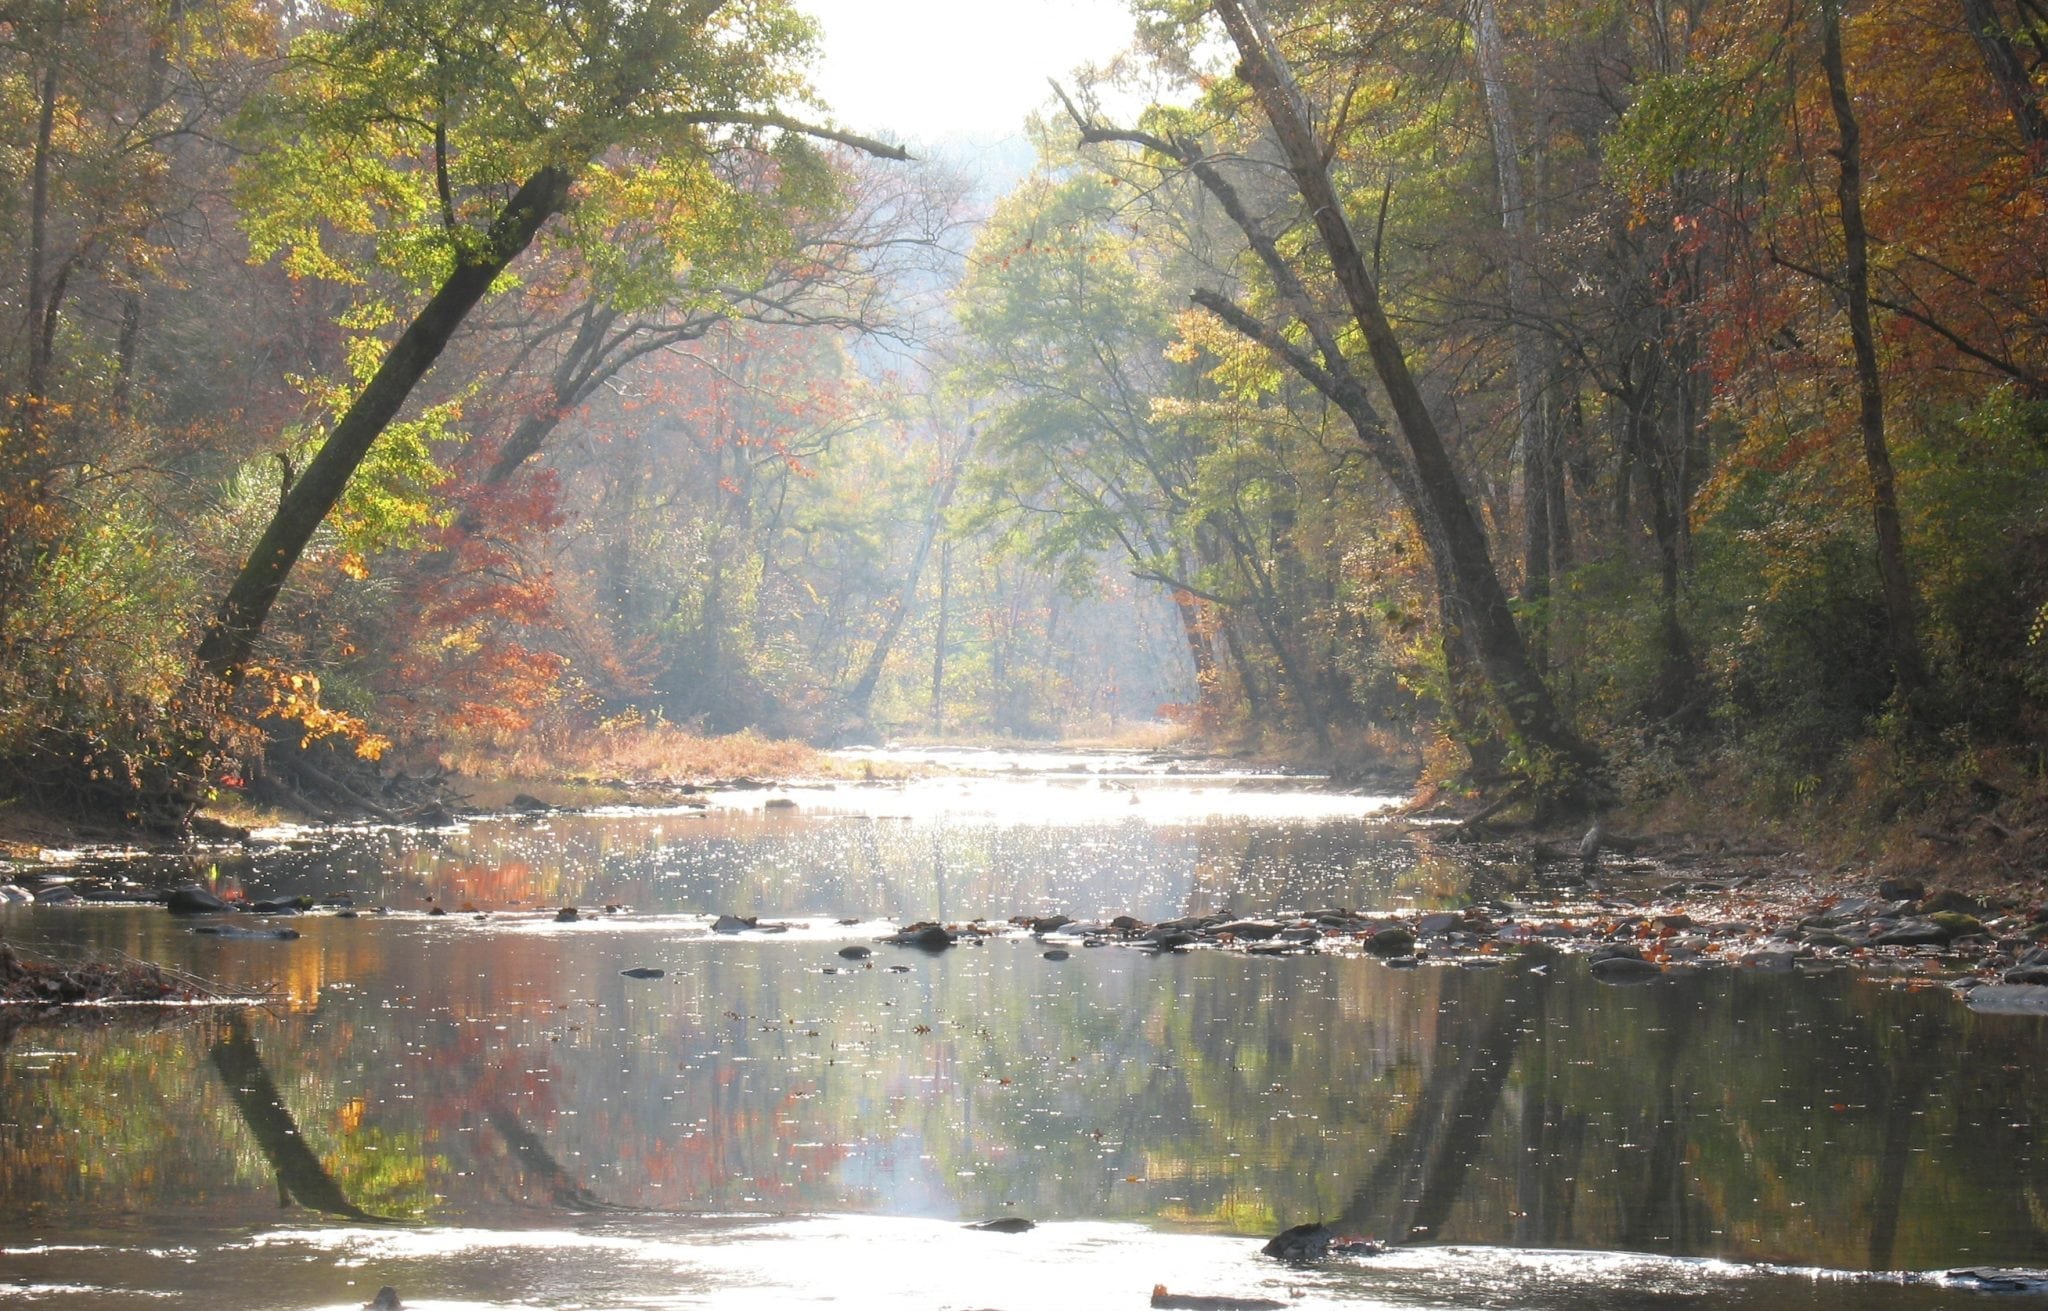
{"x": 1619, "y": 402}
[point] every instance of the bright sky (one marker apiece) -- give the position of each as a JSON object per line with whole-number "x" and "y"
{"x": 934, "y": 71}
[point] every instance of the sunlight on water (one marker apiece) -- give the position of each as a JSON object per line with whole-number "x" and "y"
{"x": 490, "y": 1112}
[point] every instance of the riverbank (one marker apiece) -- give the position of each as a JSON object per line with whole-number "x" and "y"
{"x": 1689, "y": 855}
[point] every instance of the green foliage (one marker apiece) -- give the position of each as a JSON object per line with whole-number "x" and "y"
{"x": 402, "y": 126}
{"x": 1979, "y": 538}
{"x": 1716, "y": 116}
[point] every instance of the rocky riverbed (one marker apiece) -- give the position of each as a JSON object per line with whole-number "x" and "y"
{"x": 1996, "y": 956}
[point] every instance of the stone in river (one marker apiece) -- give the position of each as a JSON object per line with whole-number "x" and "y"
{"x": 2010, "y": 999}
{"x": 1393, "y": 941}
{"x": 1009, "y": 1224}
{"x": 1956, "y": 923}
{"x": 1625, "y": 969}
{"x": 733, "y": 923}
{"x": 930, "y": 937}
{"x": 1911, "y": 933}
{"x": 1442, "y": 921}
{"x": 855, "y": 953}
{"x": 1305, "y": 1242}
{"x": 1057, "y": 954}
{"x": 1049, "y": 923}
{"x": 1206, "y": 1302}
{"x": 643, "y": 972}
{"x": 194, "y": 900}
{"x": 237, "y": 931}
{"x": 1250, "y": 930}
{"x": 565, "y": 915}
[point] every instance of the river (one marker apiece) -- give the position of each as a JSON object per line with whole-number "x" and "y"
{"x": 479, "y": 1109}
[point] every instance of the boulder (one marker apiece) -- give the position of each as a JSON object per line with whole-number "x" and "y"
{"x": 1050, "y": 923}
{"x": 734, "y": 923}
{"x": 191, "y": 899}
{"x": 1625, "y": 969}
{"x": 855, "y": 953}
{"x": 1957, "y": 924}
{"x": 1442, "y": 921}
{"x": 1008, "y": 1224}
{"x": 925, "y": 936}
{"x": 1305, "y": 1242}
{"x": 1393, "y": 941}
{"x": 1910, "y": 933}
{"x": 1902, "y": 888}
{"x": 1206, "y": 1302}
{"x": 1948, "y": 899}
{"x": 643, "y": 972}
{"x": 1250, "y": 930}
{"x": 1776, "y": 958}
{"x": 1058, "y": 953}
{"x": 237, "y": 931}
{"x": 2010, "y": 999}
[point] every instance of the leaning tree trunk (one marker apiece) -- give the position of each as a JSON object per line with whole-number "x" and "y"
{"x": 1877, "y": 460}
{"x": 2015, "y": 86}
{"x": 860, "y": 696}
{"x": 1560, "y": 756}
{"x": 232, "y": 632}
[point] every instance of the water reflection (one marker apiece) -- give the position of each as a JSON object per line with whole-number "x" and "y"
{"x": 501, "y": 1078}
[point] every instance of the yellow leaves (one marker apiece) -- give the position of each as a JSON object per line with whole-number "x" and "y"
{"x": 352, "y": 566}
{"x": 295, "y": 698}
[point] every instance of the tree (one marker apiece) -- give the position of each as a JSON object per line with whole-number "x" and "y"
{"x": 613, "y": 98}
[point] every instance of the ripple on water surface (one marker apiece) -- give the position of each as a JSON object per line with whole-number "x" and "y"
{"x": 770, "y": 1123}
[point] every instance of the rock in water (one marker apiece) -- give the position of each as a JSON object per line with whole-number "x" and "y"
{"x": 930, "y": 937}
{"x": 194, "y": 900}
{"x": 1625, "y": 969}
{"x": 1309, "y": 1242}
{"x": 386, "y": 1300}
{"x": 855, "y": 953}
{"x": 1008, "y": 1224}
{"x": 734, "y": 923}
{"x": 643, "y": 972}
{"x": 1201, "y": 1302}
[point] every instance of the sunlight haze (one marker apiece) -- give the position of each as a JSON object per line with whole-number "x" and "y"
{"x": 935, "y": 70}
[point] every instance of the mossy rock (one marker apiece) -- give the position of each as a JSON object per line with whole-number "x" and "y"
{"x": 1956, "y": 924}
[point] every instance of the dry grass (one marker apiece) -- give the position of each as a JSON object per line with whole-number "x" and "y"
{"x": 637, "y": 753}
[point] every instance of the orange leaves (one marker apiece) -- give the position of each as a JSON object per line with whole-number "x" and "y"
{"x": 295, "y": 698}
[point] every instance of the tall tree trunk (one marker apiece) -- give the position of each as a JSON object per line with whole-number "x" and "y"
{"x": 231, "y": 634}
{"x": 1877, "y": 460}
{"x": 1532, "y": 368}
{"x": 1497, "y": 643}
{"x": 41, "y": 303}
{"x": 939, "y": 640}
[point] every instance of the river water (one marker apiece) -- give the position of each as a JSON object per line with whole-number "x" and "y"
{"x": 479, "y": 1109}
